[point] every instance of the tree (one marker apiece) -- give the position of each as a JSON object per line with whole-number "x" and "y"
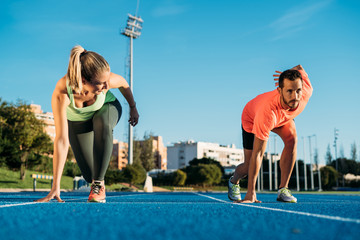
{"x": 147, "y": 153}
{"x": 316, "y": 157}
{"x": 137, "y": 152}
{"x": 328, "y": 177}
{"x": 341, "y": 152}
{"x": 9, "y": 154}
{"x": 347, "y": 166}
{"x": 25, "y": 132}
{"x": 328, "y": 156}
{"x": 197, "y": 161}
{"x": 143, "y": 152}
{"x": 353, "y": 151}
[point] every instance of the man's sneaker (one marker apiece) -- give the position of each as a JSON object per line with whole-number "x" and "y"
{"x": 284, "y": 195}
{"x": 233, "y": 191}
{"x": 97, "y": 193}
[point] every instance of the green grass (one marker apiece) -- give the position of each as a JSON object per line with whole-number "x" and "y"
{"x": 11, "y": 179}
{"x": 117, "y": 187}
{"x": 200, "y": 188}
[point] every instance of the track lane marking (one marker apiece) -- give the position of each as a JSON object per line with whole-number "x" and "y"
{"x": 17, "y": 204}
{"x": 336, "y": 218}
{"x": 72, "y": 199}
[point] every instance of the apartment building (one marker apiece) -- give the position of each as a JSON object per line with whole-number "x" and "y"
{"x": 120, "y": 153}
{"x": 47, "y": 118}
{"x": 119, "y": 158}
{"x": 160, "y": 153}
{"x": 180, "y": 154}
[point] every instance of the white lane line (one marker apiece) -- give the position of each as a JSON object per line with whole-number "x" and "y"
{"x": 106, "y": 197}
{"x": 159, "y": 203}
{"x": 336, "y": 218}
{"x": 66, "y": 200}
{"x": 17, "y": 204}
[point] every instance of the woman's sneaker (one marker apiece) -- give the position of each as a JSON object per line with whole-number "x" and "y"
{"x": 97, "y": 193}
{"x": 284, "y": 195}
{"x": 234, "y": 191}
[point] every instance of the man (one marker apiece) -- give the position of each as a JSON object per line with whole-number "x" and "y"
{"x": 272, "y": 111}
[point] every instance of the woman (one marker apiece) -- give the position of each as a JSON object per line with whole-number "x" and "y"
{"x": 85, "y": 114}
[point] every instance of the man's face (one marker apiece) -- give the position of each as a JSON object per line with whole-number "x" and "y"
{"x": 291, "y": 93}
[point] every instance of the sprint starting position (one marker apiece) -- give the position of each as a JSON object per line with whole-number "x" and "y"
{"x": 85, "y": 114}
{"x": 272, "y": 111}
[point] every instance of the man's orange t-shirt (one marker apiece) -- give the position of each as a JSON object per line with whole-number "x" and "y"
{"x": 264, "y": 113}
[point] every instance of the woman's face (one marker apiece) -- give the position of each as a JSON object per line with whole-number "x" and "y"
{"x": 98, "y": 84}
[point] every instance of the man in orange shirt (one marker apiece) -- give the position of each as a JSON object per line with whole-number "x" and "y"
{"x": 272, "y": 111}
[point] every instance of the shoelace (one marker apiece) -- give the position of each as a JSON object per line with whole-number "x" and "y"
{"x": 286, "y": 192}
{"x": 235, "y": 188}
{"x": 96, "y": 188}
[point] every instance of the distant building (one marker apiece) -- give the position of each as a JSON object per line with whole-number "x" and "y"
{"x": 119, "y": 158}
{"x": 120, "y": 154}
{"x": 48, "y": 119}
{"x": 160, "y": 152}
{"x": 182, "y": 153}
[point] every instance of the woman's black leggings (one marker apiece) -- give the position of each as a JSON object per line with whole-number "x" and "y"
{"x": 92, "y": 140}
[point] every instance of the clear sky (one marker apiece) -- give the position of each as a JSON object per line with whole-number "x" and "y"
{"x": 197, "y": 63}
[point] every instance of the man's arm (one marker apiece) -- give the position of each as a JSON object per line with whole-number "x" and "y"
{"x": 307, "y": 87}
{"x": 254, "y": 167}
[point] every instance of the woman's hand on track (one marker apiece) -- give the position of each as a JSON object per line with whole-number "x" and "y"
{"x": 53, "y": 194}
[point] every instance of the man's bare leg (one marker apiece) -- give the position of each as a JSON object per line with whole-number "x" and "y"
{"x": 254, "y": 167}
{"x": 241, "y": 170}
{"x": 288, "y": 156}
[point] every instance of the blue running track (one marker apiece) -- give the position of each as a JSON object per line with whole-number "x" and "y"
{"x": 178, "y": 216}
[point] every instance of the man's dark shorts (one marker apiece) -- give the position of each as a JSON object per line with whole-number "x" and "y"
{"x": 248, "y": 139}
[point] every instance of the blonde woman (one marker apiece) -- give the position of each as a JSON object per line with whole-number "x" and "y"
{"x": 85, "y": 114}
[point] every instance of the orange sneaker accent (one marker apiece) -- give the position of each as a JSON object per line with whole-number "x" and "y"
{"x": 97, "y": 193}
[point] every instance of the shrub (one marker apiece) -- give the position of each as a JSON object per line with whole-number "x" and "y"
{"x": 179, "y": 178}
{"x": 328, "y": 177}
{"x": 134, "y": 173}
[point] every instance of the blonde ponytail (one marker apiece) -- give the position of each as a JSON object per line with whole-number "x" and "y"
{"x": 84, "y": 64}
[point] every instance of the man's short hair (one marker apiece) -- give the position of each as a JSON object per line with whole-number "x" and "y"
{"x": 290, "y": 74}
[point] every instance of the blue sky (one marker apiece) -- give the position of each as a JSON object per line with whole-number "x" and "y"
{"x": 197, "y": 63}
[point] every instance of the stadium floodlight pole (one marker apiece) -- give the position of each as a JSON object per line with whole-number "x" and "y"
{"x": 133, "y": 31}
{"x": 336, "y": 134}
{"x": 317, "y": 163}
{"x": 270, "y": 157}
{"x": 305, "y": 170}
{"x": 275, "y": 166}
{"x": 297, "y": 175}
{"x": 311, "y": 165}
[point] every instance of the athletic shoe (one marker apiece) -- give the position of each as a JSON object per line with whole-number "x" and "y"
{"x": 234, "y": 191}
{"x": 97, "y": 193}
{"x": 284, "y": 195}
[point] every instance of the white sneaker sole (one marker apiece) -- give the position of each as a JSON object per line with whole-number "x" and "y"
{"x": 234, "y": 199}
{"x": 97, "y": 201}
{"x": 281, "y": 200}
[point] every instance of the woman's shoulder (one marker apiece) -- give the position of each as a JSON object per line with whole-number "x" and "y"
{"x": 60, "y": 91}
{"x": 116, "y": 80}
{"x": 61, "y": 86}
